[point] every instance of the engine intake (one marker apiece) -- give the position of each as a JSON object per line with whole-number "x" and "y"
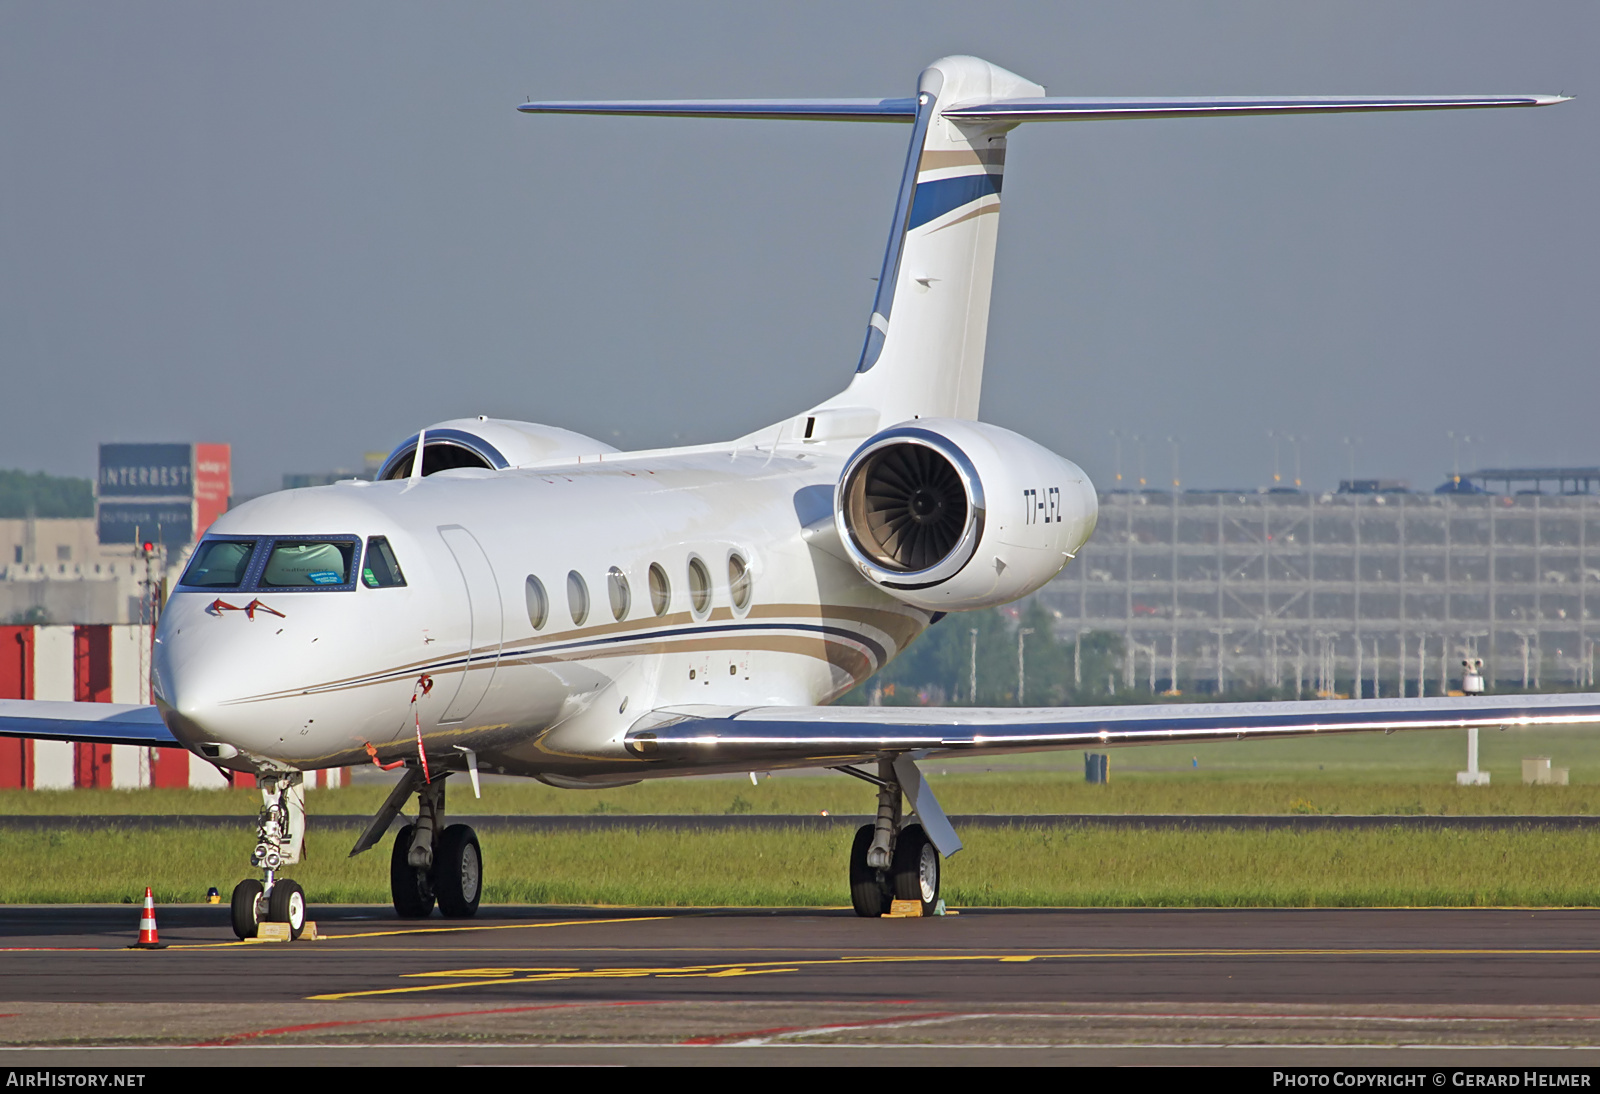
{"x": 914, "y": 506}
{"x": 951, "y": 515}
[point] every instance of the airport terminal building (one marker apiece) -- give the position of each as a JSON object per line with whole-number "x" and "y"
{"x": 1216, "y": 592}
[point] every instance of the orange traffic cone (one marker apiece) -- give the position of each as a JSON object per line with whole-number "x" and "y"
{"x": 147, "y": 925}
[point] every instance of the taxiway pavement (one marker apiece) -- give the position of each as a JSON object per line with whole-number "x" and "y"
{"x": 1253, "y": 986}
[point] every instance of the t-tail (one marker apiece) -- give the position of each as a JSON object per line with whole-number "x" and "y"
{"x": 923, "y": 351}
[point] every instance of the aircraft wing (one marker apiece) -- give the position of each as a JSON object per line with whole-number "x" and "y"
{"x": 736, "y": 735}
{"x": 107, "y": 723}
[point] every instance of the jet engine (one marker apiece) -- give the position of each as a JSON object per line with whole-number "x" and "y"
{"x": 951, "y": 515}
{"x": 491, "y": 443}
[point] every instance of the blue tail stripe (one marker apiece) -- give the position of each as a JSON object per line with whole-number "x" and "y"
{"x": 935, "y": 199}
{"x": 883, "y": 302}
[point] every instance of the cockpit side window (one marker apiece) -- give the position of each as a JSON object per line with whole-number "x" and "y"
{"x": 310, "y": 564}
{"x": 219, "y": 564}
{"x": 381, "y": 570}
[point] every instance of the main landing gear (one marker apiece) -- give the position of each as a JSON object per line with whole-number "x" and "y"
{"x": 430, "y": 862}
{"x": 280, "y": 838}
{"x": 890, "y": 861}
{"x": 433, "y": 862}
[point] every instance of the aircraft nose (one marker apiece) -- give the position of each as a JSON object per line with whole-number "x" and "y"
{"x": 179, "y": 686}
{"x": 195, "y": 674}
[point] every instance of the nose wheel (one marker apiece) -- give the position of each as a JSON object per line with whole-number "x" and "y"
{"x": 249, "y": 907}
{"x": 287, "y": 904}
{"x": 280, "y": 836}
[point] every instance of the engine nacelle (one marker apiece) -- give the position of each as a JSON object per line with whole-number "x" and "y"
{"x": 951, "y": 515}
{"x": 493, "y": 443}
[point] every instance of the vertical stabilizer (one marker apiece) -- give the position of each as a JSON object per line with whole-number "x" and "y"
{"x": 923, "y": 355}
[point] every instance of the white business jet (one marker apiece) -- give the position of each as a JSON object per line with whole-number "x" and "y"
{"x": 520, "y": 599}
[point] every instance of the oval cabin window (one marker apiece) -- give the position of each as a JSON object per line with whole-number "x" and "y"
{"x": 620, "y": 595}
{"x": 738, "y": 582}
{"x": 660, "y": 589}
{"x": 577, "y": 597}
{"x": 699, "y": 586}
{"x": 538, "y": 602}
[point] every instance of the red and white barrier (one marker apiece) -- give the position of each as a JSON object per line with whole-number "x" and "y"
{"x": 99, "y": 663}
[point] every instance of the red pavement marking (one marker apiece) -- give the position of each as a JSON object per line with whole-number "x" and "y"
{"x": 723, "y": 1038}
{"x": 717, "y": 1039}
{"x": 238, "y": 1037}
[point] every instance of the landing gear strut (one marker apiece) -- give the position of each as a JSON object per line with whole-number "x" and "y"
{"x": 888, "y": 861}
{"x": 280, "y": 837}
{"x": 429, "y": 863}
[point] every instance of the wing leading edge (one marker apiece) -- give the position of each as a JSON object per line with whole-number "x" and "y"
{"x": 729, "y": 735}
{"x": 105, "y": 723}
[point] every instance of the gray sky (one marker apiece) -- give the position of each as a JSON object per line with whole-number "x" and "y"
{"x": 309, "y": 228}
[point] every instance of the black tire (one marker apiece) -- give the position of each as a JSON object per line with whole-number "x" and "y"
{"x": 287, "y": 904}
{"x": 247, "y": 907}
{"x": 869, "y": 890}
{"x": 458, "y": 872}
{"x": 411, "y": 888}
{"x": 916, "y": 868}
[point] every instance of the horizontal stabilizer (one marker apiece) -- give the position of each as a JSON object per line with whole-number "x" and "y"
{"x": 775, "y": 734}
{"x": 107, "y": 723}
{"x": 1070, "y": 110}
{"x": 835, "y": 110}
{"x": 1051, "y": 109}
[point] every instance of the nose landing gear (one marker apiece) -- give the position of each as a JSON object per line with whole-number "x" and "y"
{"x": 280, "y": 837}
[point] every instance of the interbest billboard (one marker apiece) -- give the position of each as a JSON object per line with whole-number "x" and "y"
{"x": 146, "y": 471}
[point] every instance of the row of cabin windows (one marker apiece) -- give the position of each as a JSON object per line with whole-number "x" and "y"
{"x": 619, "y": 593}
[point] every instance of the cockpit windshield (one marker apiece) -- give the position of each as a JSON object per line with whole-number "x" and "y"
{"x": 292, "y": 564}
{"x": 300, "y": 564}
{"x": 220, "y": 564}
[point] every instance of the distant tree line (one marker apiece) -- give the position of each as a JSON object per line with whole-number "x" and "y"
{"x": 39, "y": 495}
{"x": 938, "y": 668}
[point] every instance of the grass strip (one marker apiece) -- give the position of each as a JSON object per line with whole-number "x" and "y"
{"x": 995, "y": 792}
{"x": 1003, "y": 867}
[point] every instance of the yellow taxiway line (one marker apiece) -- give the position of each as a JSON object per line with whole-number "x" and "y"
{"x": 424, "y": 930}
{"x": 484, "y": 977}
